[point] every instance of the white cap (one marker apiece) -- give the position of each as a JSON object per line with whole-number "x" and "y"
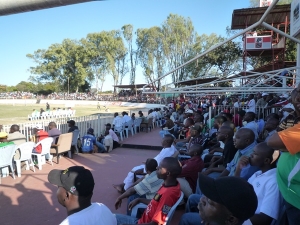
{"x": 189, "y": 111}
{"x": 284, "y": 96}
{"x": 39, "y": 126}
{"x": 264, "y": 94}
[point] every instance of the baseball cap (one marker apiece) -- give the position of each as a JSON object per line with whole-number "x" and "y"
{"x": 39, "y": 126}
{"x": 236, "y": 194}
{"x": 197, "y": 128}
{"x": 284, "y": 96}
{"x": 189, "y": 111}
{"x": 3, "y": 134}
{"x": 264, "y": 94}
{"x": 90, "y": 131}
{"x": 76, "y": 180}
{"x": 71, "y": 122}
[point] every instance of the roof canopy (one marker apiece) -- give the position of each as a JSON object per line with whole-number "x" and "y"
{"x": 130, "y": 86}
{"x": 197, "y": 81}
{"x": 242, "y": 18}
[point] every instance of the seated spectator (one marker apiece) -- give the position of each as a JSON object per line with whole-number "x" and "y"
{"x": 167, "y": 151}
{"x": 185, "y": 131}
{"x": 225, "y": 200}
{"x": 89, "y": 141}
{"x": 267, "y": 191}
{"x": 249, "y": 122}
{"x": 108, "y": 141}
{"x": 159, "y": 207}
{"x": 115, "y": 138}
{"x": 145, "y": 187}
{"x": 118, "y": 120}
{"x": 53, "y": 132}
{"x": 288, "y": 176}
{"x": 190, "y": 169}
{"x": 75, "y": 190}
{"x": 269, "y": 129}
{"x": 40, "y": 135}
{"x": 72, "y": 127}
{"x": 169, "y": 125}
{"x": 3, "y": 139}
{"x": 17, "y": 138}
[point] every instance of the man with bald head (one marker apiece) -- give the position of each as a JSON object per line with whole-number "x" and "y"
{"x": 16, "y": 137}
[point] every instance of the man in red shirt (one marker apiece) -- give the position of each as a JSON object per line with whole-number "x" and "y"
{"x": 40, "y": 134}
{"x": 159, "y": 207}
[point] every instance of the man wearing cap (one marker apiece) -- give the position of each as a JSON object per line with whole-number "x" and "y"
{"x": 75, "y": 190}
{"x": 159, "y": 207}
{"x": 261, "y": 103}
{"x": 40, "y": 135}
{"x": 72, "y": 127}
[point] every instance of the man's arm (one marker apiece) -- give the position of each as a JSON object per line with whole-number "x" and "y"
{"x": 126, "y": 194}
{"x": 225, "y": 173}
{"x": 261, "y": 218}
{"x": 275, "y": 142}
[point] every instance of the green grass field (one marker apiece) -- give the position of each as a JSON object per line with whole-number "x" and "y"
{"x": 18, "y": 113}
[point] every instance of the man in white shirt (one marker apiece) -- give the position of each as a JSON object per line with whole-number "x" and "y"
{"x": 167, "y": 151}
{"x": 75, "y": 190}
{"x": 251, "y": 104}
{"x": 126, "y": 118}
{"x": 264, "y": 183}
{"x": 118, "y": 120}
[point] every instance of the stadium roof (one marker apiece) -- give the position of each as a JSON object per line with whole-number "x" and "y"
{"x": 130, "y": 86}
{"x": 8, "y": 7}
{"x": 197, "y": 81}
{"x": 243, "y": 18}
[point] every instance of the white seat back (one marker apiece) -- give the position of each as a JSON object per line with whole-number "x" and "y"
{"x": 6, "y": 155}
{"x": 46, "y": 145}
{"x": 26, "y": 150}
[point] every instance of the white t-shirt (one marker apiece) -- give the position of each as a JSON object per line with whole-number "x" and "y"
{"x": 267, "y": 192}
{"x": 96, "y": 214}
{"x": 251, "y": 104}
{"x": 165, "y": 152}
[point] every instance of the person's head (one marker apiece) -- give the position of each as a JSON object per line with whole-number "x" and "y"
{"x": 226, "y": 200}
{"x": 271, "y": 124}
{"x": 167, "y": 141}
{"x": 264, "y": 96}
{"x": 169, "y": 168}
{"x": 225, "y": 133}
{"x": 151, "y": 165}
{"x": 198, "y": 118}
{"x": 196, "y": 130}
{"x": 219, "y": 120}
{"x": 189, "y": 122}
{"x": 249, "y": 117}
{"x": 107, "y": 126}
{"x": 195, "y": 150}
{"x": 14, "y": 128}
{"x": 251, "y": 96}
{"x": 133, "y": 115}
{"x": 228, "y": 124}
{"x": 90, "y": 131}
{"x": 116, "y": 114}
{"x": 71, "y": 123}
{"x": 262, "y": 156}
{"x": 243, "y": 138}
{"x": 123, "y": 113}
{"x": 52, "y": 125}
{"x": 167, "y": 117}
{"x": 242, "y": 113}
{"x": 3, "y": 136}
{"x": 75, "y": 186}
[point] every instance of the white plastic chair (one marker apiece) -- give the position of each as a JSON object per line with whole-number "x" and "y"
{"x": 119, "y": 130}
{"x": 129, "y": 127}
{"x": 137, "y": 124}
{"x": 46, "y": 145}
{"x": 26, "y": 151}
{"x": 6, "y": 158}
{"x": 170, "y": 214}
{"x": 74, "y": 142}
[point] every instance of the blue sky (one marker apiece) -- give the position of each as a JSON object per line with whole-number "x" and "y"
{"x": 26, "y": 32}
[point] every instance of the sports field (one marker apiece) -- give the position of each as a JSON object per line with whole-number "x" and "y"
{"x": 18, "y": 113}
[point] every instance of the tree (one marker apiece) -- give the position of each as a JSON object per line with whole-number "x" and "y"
{"x": 150, "y": 45}
{"x": 127, "y": 31}
{"x": 179, "y": 36}
{"x": 65, "y": 63}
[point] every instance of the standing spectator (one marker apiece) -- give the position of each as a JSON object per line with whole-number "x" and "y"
{"x": 251, "y": 106}
{"x": 75, "y": 190}
{"x": 47, "y": 106}
{"x": 261, "y": 103}
{"x": 72, "y": 127}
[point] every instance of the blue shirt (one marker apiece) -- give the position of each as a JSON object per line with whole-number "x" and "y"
{"x": 231, "y": 167}
{"x": 260, "y": 124}
{"x": 88, "y": 142}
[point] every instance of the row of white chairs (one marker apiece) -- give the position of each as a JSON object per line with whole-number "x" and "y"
{"x": 52, "y": 114}
{"x": 132, "y": 125}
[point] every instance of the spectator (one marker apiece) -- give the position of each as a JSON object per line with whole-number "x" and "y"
{"x": 145, "y": 187}
{"x": 3, "y": 139}
{"x": 190, "y": 169}
{"x": 115, "y": 138}
{"x": 249, "y": 122}
{"x": 108, "y": 141}
{"x": 269, "y": 129}
{"x": 267, "y": 191}
{"x": 17, "y": 138}
{"x": 118, "y": 121}
{"x": 53, "y": 132}
{"x": 167, "y": 151}
{"x": 72, "y": 127}
{"x": 159, "y": 207}
{"x": 133, "y": 116}
{"x": 40, "y": 135}
{"x": 251, "y": 106}
{"x": 168, "y": 127}
{"x": 261, "y": 103}
{"x": 75, "y": 190}
{"x": 89, "y": 141}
